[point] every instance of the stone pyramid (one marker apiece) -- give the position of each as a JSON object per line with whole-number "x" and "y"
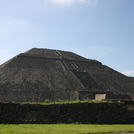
{"x": 40, "y": 74}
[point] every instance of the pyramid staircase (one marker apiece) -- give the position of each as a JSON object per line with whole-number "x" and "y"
{"x": 87, "y": 81}
{"x": 84, "y": 77}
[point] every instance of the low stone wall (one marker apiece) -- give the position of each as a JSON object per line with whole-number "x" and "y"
{"x": 100, "y": 113}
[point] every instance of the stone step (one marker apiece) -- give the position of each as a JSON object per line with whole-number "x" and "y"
{"x": 86, "y": 79}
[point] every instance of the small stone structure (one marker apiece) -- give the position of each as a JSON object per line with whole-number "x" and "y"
{"x": 112, "y": 97}
{"x": 40, "y": 74}
{"x": 100, "y": 97}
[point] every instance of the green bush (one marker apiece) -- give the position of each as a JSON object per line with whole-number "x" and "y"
{"x": 47, "y": 101}
{"x": 60, "y": 101}
{"x": 67, "y": 101}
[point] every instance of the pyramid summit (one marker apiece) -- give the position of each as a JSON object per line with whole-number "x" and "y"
{"x": 40, "y": 74}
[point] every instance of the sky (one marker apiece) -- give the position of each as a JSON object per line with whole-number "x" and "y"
{"x": 96, "y": 29}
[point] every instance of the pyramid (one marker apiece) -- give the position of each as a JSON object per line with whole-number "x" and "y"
{"x": 40, "y": 74}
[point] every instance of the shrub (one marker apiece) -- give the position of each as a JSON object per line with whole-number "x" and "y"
{"x": 47, "y": 101}
{"x": 67, "y": 101}
{"x": 60, "y": 101}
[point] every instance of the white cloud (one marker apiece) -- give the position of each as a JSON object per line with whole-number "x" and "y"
{"x": 129, "y": 73}
{"x": 92, "y": 2}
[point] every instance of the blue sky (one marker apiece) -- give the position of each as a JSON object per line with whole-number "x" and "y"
{"x": 96, "y": 29}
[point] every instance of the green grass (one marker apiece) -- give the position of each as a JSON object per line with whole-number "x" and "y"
{"x": 63, "y": 129}
{"x": 47, "y": 102}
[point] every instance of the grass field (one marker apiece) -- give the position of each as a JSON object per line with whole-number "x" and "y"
{"x": 62, "y": 129}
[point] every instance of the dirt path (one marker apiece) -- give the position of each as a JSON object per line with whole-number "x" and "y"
{"x": 117, "y": 133}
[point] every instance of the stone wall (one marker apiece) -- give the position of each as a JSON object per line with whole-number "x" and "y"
{"x": 84, "y": 95}
{"x": 100, "y": 113}
{"x": 112, "y": 97}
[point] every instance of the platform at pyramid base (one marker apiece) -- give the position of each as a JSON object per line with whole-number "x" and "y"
{"x": 35, "y": 95}
{"x": 40, "y": 74}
